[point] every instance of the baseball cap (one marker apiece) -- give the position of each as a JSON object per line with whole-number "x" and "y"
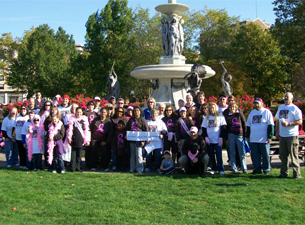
{"x": 182, "y": 109}
{"x": 258, "y": 100}
{"x": 96, "y": 98}
{"x": 194, "y": 129}
{"x": 167, "y": 152}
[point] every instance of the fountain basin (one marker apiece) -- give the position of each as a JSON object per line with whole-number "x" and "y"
{"x": 161, "y": 71}
{"x": 172, "y": 8}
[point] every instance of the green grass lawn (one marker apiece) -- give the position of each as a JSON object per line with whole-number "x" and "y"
{"x": 88, "y": 198}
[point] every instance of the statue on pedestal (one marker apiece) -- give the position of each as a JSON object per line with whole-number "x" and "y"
{"x": 226, "y": 88}
{"x": 194, "y": 79}
{"x": 113, "y": 86}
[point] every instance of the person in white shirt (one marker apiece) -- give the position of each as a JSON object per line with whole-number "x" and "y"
{"x": 155, "y": 125}
{"x": 289, "y": 117}
{"x": 161, "y": 107}
{"x": 10, "y": 147}
{"x": 260, "y": 129}
{"x": 213, "y": 130}
{"x": 222, "y": 103}
{"x": 20, "y": 120}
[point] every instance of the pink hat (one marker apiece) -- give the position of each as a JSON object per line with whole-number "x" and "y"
{"x": 194, "y": 129}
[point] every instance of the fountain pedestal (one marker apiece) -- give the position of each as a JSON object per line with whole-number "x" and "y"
{"x": 168, "y": 75}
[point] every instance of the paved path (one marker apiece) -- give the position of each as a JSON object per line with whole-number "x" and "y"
{"x": 275, "y": 162}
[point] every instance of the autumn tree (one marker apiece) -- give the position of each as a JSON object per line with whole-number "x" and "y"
{"x": 258, "y": 54}
{"x": 44, "y": 62}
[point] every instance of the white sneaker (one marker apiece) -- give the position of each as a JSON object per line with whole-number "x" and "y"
{"x": 114, "y": 168}
{"x": 106, "y": 170}
{"x": 38, "y": 170}
{"x": 62, "y": 171}
{"x": 9, "y": 166}
{"x": 35, "y": 169}
{"x": 222, "y": 173}
{"x": 21, "y": 167}
{"x": 17, "y": 164}
{"x": 212, "y": 172}
{"x": 54, "y": 171}
{"x": 93, "y": 169}
{"x": 25, "y": 168}
{"x": 147, "y": 170}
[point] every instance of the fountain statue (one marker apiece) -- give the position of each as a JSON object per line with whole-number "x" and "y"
{"x": 226, "y": 88}
{"x": 172, "y": 79}
{"x": 113, "y": 86}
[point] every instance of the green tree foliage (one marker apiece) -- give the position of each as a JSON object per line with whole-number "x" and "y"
{"x": 44, "y": 62}
{"x": 258, "y": 54}
{"x": 240, "y": 83}
{"x": 108, "y": 40}
{"x": 215, "y": 29}
{"x": 8, "y": 47}
{"x": 289, "y": 27}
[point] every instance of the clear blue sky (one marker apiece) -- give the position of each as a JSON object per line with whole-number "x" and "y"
{"x": 19, "y": 15}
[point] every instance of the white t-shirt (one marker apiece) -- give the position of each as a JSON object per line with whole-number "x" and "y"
{"x": 288, "y": 113}
{"x": 7, "y": 125}
{"x": 222, "y": 109}
{"x": 18, "y": 124}
{"x": 25, "y": 127}
{"x": 157, "y": 126}
{"x": 35, "y": 145}
{"x": 213, "y": 127}
{"x": 258, "y": 121}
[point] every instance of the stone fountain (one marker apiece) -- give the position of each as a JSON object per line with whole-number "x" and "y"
{"x": 167, "y": 78}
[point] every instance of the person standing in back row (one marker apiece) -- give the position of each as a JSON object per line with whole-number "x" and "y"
{"x": 289, "y": 117}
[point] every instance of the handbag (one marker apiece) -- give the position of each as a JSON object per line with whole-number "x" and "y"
{"x": 247, "y": 148}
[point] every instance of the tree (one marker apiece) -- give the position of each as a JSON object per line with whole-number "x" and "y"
{"x": 44, "y": 62}
{"x": 289, "y": 27}
{"x": 8, "y": 47}
{"x": 258, "y": 54}
{"x": 108, "y": 40}
{"x": 215, "y": 29}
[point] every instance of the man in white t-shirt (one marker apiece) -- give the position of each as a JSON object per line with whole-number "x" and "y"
{"x": 222, "y": 103}
{"x": 289, "y": 117}
{"x": 260, "y": 129}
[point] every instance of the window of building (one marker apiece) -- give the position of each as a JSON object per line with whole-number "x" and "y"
{"x": 1, "y": 78}
{"x": 9, "y": 87}
{"x": 1, "y": 71}
{"x": 1, "y": 86}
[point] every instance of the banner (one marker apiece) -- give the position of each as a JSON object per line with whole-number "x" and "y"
{"x": 142, "y": 136}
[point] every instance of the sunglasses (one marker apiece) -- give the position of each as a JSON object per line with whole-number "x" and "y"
{"x": 23, "y": 108}
{"x": 168, "y": 110}
{"x": 110, "y": 108}
{"x": 204, "y": 108}
{"x": 121, "y": 103}
{"x": 48, "y": 105}
{"x": 35, "y": 120}
{"x": 150, "y": 102}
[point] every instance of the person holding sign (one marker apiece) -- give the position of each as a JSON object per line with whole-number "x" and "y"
{"x": 136, "y": 123}
{"x": 155, "y": 125}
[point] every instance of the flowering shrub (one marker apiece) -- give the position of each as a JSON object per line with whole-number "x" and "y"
{"x": 81, "y": 100}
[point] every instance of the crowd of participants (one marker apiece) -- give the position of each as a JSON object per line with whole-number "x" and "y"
{"x": 190, "y": 138}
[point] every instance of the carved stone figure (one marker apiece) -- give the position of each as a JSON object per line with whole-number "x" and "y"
{"x": 226, "y": 88}
{"x": 181, "y": 37}
{"x": 165, "y": 41}
{"x": 113, "y": 86}
{"x": 174, "y": 37}
{"x": 194, "y": 79}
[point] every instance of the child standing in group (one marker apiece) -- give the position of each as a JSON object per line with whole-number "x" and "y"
{"x": 35, "y": 143}
{"x": 167, "y": 165}
{"x": 120, "y": 146}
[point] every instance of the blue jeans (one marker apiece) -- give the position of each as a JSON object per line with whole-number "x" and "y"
{"x": 11, "y": 152}
{"x": 237, "y": 140}
{"x": 58, "y": 163}
{"x": 158, "y": 157}
{"x": 260, "y": 152}
{"x": 214, "y": 149}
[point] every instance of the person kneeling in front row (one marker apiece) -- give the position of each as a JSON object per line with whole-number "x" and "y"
{"x": 202, "y": 152}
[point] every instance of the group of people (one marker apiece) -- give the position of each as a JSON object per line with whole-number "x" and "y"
{"x": 193, "y": 136}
